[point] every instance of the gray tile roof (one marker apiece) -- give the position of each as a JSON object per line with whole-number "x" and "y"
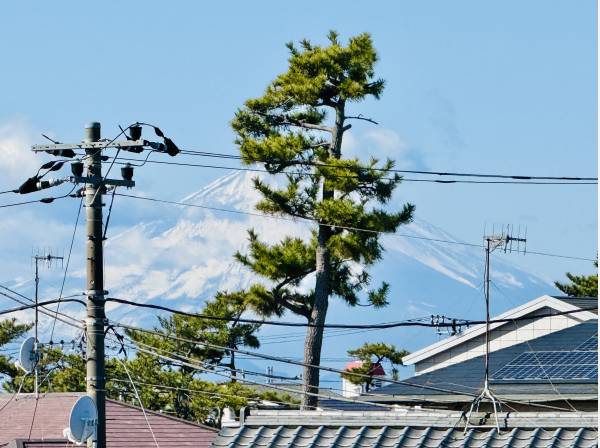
{"x": 580, "y": 302}
{"x": 467, "y": 376}
{"x": 408, "y": 429}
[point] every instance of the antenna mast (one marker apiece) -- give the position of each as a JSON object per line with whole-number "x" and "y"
{"x": 491, "y": 243}
{"x": 47, "y": 258}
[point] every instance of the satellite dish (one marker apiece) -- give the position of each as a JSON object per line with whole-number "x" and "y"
{"x": 83, "y": 421}
{"x": 27, "y": 355}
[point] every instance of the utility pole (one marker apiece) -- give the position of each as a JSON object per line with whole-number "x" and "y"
{"x": 95, "y": 187}
{"x": 95, "y": 369}
{"x": 48, "y": 258}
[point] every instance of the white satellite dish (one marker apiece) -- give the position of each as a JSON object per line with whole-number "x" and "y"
{"x": 83, "y": 421}
{"x": 27, "y": 355}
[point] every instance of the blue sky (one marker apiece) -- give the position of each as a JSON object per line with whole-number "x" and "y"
{"x": 506, "y": 87}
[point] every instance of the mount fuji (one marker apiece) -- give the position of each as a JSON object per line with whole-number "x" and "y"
{"x": 186, "y": 255}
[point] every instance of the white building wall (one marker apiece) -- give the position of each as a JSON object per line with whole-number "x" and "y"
{"x": 504, "y": 336}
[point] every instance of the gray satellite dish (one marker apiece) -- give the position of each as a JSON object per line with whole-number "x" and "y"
{"x": 27, "y": 355}
{"x": 83, "y": 420}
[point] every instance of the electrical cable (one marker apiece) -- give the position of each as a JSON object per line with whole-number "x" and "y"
{"x": 43, "y": 310}
{"x": 340, "y": 176}
{"x": 393, "y": 170}
{"x": 421, "y": 386}
{"x": 112, "y": 200}
{"x": 349, "y": 228}
{"x": 12, "y": 397}
{"x": 47, "y": 200}
{"x": 197, "y": 391}
{"x": 62, "y": 286}
{"x": 41, "y": 304}
{"x": 284, "y": 360}
{"x": 408, "y": 323}
{"x": 139, "y": 401}
{"x": 554, "y": 389}
{"x": 243, "y": 380}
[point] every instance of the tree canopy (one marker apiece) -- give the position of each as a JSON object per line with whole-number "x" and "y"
{"x": 296, "y": 129}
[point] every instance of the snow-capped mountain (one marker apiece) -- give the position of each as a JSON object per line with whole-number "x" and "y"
{"x": 187, "y": 255}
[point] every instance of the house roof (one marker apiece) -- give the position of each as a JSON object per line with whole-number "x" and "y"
{"x": 125, "y": 424}
{"x": 580, "y": 302}
{"x": 467, "y": 377}
{"x": 376, "y": 369}
{"x": 408, "y": 428}
{"x": 562, "y": 304}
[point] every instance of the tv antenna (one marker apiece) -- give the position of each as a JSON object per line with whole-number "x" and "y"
{"x": 506, "y": 240}
{"x": 49, "y": 260}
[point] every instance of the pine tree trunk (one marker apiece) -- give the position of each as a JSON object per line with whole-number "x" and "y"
{"x": 232, "y": 366}
{"x": 314, "y": 335}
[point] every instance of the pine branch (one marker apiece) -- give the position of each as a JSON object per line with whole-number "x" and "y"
{"x": 360, "y": 117}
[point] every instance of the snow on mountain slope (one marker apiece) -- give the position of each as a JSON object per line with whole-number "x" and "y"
{"x": 187, "y": 255}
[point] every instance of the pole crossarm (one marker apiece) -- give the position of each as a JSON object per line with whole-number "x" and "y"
{"x": 126, "y": 145}
{"x": 97, "y": 181}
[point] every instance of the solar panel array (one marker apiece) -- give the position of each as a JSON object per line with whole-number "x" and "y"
{"x": 553, "y": 365}
{"x": 590, "y": 344}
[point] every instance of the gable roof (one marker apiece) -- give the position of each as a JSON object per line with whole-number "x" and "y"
{"x": 478, "y": 330}
{"x": 125, "y": 424}
{"x": 408, "y": 428}
{"x": 467, "y": 377}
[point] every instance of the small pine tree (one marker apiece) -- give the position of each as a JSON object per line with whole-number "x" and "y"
{"x": 372, "y": 355}
{"x": 288, "y": 127}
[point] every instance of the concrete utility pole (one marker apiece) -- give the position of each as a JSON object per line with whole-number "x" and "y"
{"x": 95, "y": 188}
{"x": 95, "y": 369}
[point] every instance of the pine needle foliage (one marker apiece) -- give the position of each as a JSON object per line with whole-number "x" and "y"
{"x": 299, "y": 122}
{"x": 580, "y": 285}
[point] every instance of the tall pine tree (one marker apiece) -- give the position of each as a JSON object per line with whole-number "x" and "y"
{"x": 297, "y": 127}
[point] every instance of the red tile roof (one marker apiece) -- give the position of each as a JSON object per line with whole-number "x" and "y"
{"x": 125, "y": 424}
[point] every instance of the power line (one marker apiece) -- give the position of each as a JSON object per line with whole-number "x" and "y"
{"x": 198, "y": 391}
{"x": 47, "y": 200}
{"x": 393, "y": 170}
{"x": 244, "y": 380}
{"x": 43, "y": 310}
{"x": 62, "y": 286}
{"x": 404, "y": 179}
{"x": 289, "y": 361}
{"x": 457, "y": 322}
{"x": 350, "y": 228}
{"x": 41, "y": 304}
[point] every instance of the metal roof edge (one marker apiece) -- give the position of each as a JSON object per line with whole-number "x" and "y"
{"x": 419, "y": 417}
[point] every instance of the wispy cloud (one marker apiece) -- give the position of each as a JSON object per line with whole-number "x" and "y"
{"x": 16, "y": 157}
{"x": 383, "y": 143}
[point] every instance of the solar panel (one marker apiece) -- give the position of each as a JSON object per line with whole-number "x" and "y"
{"x": 590, "y": 344}
{"x": 554, "y": 365}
